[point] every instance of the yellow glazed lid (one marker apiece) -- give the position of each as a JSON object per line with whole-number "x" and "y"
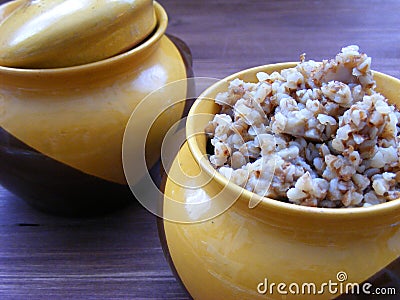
{"x": 62, "y": 33}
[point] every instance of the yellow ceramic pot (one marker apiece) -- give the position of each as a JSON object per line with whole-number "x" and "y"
{"x": 62, "y": 128}
{"x": 246, "y": 253}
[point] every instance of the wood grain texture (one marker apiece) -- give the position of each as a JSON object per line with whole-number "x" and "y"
{"x": 119, "y": 256}
{"x": 228, "y": 36}
{"x": 112, "y": 257}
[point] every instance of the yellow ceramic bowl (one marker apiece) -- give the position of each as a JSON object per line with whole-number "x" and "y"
{"x": 242, "y": 251}
{"x": 62, "y": 128}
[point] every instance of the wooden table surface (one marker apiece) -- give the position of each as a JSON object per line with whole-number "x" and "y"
{"x": 119, "y": 256}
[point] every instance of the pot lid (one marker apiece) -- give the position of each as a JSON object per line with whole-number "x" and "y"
{"x": 63, "y": 33}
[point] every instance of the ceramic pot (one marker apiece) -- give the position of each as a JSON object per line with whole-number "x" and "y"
{"x": 62, "y": 128}
{"x": 242, "y": 251}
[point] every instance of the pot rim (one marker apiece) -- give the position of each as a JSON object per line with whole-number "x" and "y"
{"x": 162, "y": 22}
{"x": 269, "y": 203}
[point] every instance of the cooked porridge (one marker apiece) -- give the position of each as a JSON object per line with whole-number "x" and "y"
{"x": 317, "y": 134}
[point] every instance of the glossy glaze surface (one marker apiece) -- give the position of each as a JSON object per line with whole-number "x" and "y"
{"x": 234, "y": 252}
{"x": 78, "y": 115}
{"x": 61, "y": 189}
{"x": 54, "y": 187}
{"x": 57, "y": 33}
{"x": 66, "y": 125}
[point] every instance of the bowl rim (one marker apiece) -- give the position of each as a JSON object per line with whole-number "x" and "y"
{"x": 151, "y": 39}
{"x": 265, "y": 202}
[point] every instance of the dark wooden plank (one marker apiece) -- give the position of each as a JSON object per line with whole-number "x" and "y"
{"x": 227, "y": 36}
{"x": 119, "y": 256}
{"x": 114, "y": 256}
